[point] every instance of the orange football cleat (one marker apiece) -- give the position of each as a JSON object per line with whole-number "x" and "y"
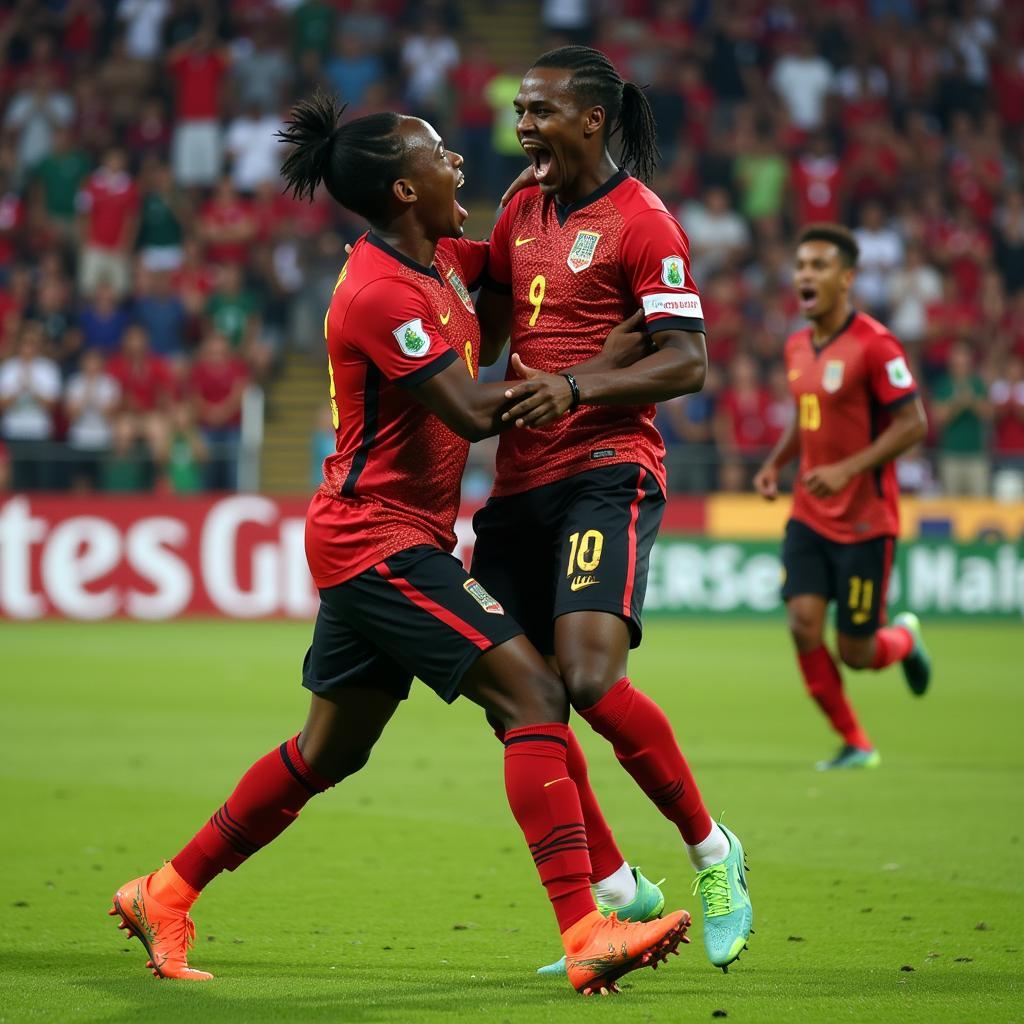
{"x": 166, "y": 933}
{"x": 606, "y": 948}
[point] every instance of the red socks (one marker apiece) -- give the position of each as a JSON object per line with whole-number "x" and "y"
{"x": 265, "y": 802}
{"x": 605, "y": 856}
{"x": 546, "y": 805}
{"x": 892, "y": 644}
{"x": 825, "y": 685}
{"x": 646, "y": 747}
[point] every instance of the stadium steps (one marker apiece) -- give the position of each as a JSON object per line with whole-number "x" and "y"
{"x": 295, "y": 399}
{"x": 511, "y": 35}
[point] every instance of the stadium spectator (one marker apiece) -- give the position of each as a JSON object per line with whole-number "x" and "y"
{"x": 761, "y": 175}
{"x": 52, "y": 308}
{"x": 162, "y": 216}
{"x": 803, "y": 79}
{"x": 124, "y": 82}
{"x": 108, "y": 206}
{"x": 816, "y": 183}
{"x": 743, "y": 433}
{"x": 215, "y": 387}
{"x": 197, "y": 67}
{"x": 719, "y": 237}
{"x": 353, "y": 69}
{"x": 255, "y": 151}
{"x": 147, "y": 396}
{"x": 33, "y": 115}
{"x": 143, "y": 26}
{"x": 91, "y": 399}
{"x": 159, "y": 310}
{"x": 103, "y": 320}
{"x": 29, "y": 393}
{"x": 262, "y": 73}
{"x": 508, "y": 159}
{"x": 471, "y": 80}
{"x": 1007, "y": 397}
{"x": 687, "y": 424}
{"x": 150, "y": 135}
{"x": 57, "y": 180}
{"x": 962, "y": 412}
{"x": 951, "y": 319}
{"x": 881, "y": 252}
{"x": 1009, "y": 240}
{"x": 429, "y": 56}
{"x": 911, "y": 289}
{"x": 227, "y": 225}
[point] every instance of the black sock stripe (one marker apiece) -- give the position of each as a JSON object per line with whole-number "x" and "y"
{"x": 668, "y": 794}
{"x": 558, "y": 828}
{"x": 543, "y": 860}
{"x": 233, "y": 837}
{"x": 295, "y": 771}
{"x": 541, "y": 847}
{"x": 558, "y": 843}
{"x": 536, "y": 737}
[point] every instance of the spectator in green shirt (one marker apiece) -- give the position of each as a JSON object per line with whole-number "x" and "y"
{"x": 235, "y": 312}
{"x": 962, "y": 413}
{"x": 58, "y": 178}
{"x": 509, "y": 158}
{"x": 761, "y": 174}
{"x": 160, "y": 221}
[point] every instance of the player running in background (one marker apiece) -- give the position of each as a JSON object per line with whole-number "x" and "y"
{"x": 403, "y": 348}
{"x": 857, "y": 409}
{"x": 565, "y": 538}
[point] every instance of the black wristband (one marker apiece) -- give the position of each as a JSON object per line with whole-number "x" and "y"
{"x": 575, "y": 389}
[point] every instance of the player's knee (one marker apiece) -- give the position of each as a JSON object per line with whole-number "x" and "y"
{"x": 855, "y": 652}
{"x": 585, "y": 687}
{"x": 338, "y": 765}
{"x": 806, "y": 632}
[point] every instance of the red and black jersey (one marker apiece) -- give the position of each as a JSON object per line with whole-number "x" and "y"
{"x": 575, "y": 272}
{"x": 394, "y": 479}
{"x": 844, "y": 393}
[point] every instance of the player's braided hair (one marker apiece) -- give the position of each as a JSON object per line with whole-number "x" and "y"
{"x": 357, "y": 161}
{"x": 627, "y": 110}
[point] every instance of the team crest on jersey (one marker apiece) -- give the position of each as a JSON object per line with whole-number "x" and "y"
{"x": 899, "y": 373}
{"x": 581, "y": 255}
{"x": 672, "y": 271}
{"x": 460, "y": 289}
{"x": 832, "y": 376}
{"x": 482, "y": 598}
{"x": 412, "y": 339}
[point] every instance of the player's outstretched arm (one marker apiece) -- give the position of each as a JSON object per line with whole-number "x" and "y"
{"x": 909, "y": 426}
{"x": 473, "y": 410}
{"x": 766, "y": 480}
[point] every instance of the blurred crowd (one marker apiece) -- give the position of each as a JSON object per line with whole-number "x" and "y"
{"x": 152, "y": 271}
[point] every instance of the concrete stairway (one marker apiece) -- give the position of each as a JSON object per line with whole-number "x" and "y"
{"x": 294, "y": 401}
{"x": 510, "y": 30}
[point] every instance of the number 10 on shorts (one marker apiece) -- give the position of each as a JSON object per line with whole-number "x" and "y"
{"x": 584, "y": 551}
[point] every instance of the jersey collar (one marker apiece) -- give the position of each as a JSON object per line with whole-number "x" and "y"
{"x": 828, "y": 341}
{"x": 406, "y": 261}
{"x": 563, "y": 212}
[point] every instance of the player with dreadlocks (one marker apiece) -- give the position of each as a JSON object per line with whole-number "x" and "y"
{"x": 565, "y": 539}
{"x": 403, "y": 345}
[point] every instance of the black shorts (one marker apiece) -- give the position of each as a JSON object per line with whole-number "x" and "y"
{"x": 578, "y": 544}
{"x": 417, "y": 613}
{"x": 855, "y": 576}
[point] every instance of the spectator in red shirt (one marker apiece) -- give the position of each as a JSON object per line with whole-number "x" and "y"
{"x": 197, "y": 68}
{"x": 743, "y": 429}
{"x": 108, "y": 208}
{"x": 215, "y": 387}
{"x": 1007, "y": 397}
{"x": 475, "y": 116}
{"x": 816, "y": 181}
{"x": 147, "y": 395}
{"x": 228, "y": 225}
{"x": 953, "y": 318}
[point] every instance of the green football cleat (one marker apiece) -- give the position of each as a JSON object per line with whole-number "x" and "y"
{"x": 728, "y": 915}
{"x": 917, "y": 665}
{"x": 648, "y": 904}
{"x": 851, "y": 757}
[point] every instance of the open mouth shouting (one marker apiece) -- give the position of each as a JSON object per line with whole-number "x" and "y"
{"x": 543, "y": 163}
{"x": 808, "y": 296}
{"x": 461, "y": 213}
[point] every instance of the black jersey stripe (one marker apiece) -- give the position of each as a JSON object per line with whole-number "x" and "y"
{"x": 371, "y": 415}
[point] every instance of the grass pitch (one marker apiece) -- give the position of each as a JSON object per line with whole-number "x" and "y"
{"x": 406, "y": 895}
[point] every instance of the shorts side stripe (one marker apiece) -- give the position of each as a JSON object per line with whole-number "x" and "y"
{"x": 421, "y": 600}
{"x": 634, "y": 514}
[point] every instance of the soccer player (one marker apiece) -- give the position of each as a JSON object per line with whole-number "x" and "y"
{"x": 857, "y": 409}
{"x": 403, "y": 349}
{"x": 565, "y": 539}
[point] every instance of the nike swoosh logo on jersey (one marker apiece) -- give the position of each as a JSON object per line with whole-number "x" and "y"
{"x": 446, "y": 317}
{"x": 792, "y": 375}
{"x": 579, "y": 582}
{"x": 523, "y": 241}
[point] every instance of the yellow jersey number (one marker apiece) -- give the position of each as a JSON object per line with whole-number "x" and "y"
{"x": 469, "y": 358}
{"x": 585, "y": 551}
{"x": 537, "y": 286}
{"x": 810, "y": 412}
{"x": 335, "y": 418}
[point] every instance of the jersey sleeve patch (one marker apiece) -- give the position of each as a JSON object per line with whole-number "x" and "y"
{"x": 899, "y": 373}
{"x": 412, "y": 338}
{"x": 673, "y": 304}
{"x": 672, "y": 271}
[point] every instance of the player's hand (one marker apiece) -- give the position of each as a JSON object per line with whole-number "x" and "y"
{"x": 525, "y": 180}
{"x": 766, "y": 481}
{"x": 824, "y": 481}
{"x": 627, "y": 342}
{"x": 540, "y": 399}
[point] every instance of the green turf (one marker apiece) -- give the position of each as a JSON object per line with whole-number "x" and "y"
{"x": 406, "y": 895}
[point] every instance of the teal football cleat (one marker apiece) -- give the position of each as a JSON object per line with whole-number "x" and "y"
{"x": 917, "y": 665}
{"x": 648, "y": 904}
{"x": 851, "y": 757}
{"x": 728, "y": 914}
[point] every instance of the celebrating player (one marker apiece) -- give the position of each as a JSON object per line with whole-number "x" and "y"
{"x": 565, "y": 538}
{"x": 403, "y": 346}
{"x": 857, "y": 409}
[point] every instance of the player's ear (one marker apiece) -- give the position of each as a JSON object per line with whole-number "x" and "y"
{"x": 404, "y": 191}
{"x": 593, "y": 121}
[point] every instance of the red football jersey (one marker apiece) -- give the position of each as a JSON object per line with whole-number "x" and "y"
{"x": 394, "y": 480}
{"x": 575, "y": 272}
{"x": 844, "y": 392}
